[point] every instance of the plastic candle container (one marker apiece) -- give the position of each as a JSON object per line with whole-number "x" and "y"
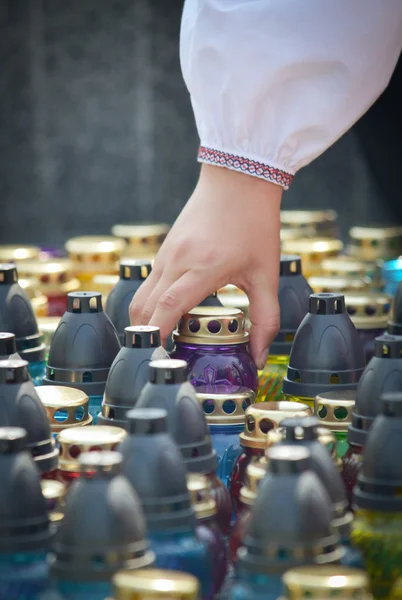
{"x": 132, "y": 274}
{"x": 169, "y": 389}
{"x": 312, "y": 252}
{"x": 65, "y": 407}
{"x": 143, "y": 240}
{"x": 17, "y": 316}
{"x": 214, "y": 343}
{"x": 327, "y": 353}
{"x": 334, "y": 410}
{"x": 92, "y": 255}
{"x": 77, "y": 440}
{"x": 293, "y": 295}
{"x": 155, "y": 584}
{"x": 290, "y": 526}
{"x": 377, "y": 530}
{"x": 55, "y": 281}
{"x": 21, "y": 407}
{"x": 369, "y": 313}
{"x": 382, "y": 374}
{"x": 103, "y": 531}
{"x": 25, "y": 528}
{"x": 225, "y": 414}
{"x": 373, "y": 243}
{"x": 325, "y": 583}
{"x": 255, "y": 473}
{"x": 165, "y": 498}
{"x": 311, "y": 222}
{"x": 129, "y": 373}
{"x": 83, "y": 349}
{"x": 392, "y": 273}
{"x": 54, "y": 493}
{"x": 260, "y": 419}
{"x": 208, "y": 529}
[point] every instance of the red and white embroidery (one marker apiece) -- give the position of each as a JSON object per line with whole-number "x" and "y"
{"x": 245, "y": 165}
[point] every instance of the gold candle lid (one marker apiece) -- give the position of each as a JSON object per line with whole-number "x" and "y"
{"x": 368, "y": 310}
{"x": 334, "y": 409}
{"x": 223, "y": 408}
{"x": 346, "y": 266}
{"x": 324, "y": 284}
{"x": 376, "y": 242}
{"x": 326, "y": 582}
{"x": 255, "y": 473}
{"x": 76, "y": 440}
{"x": 141, "y": 234}
{"x": 52, "y": 275}
{"x": 313, "y": 247}
{"x": 15, "y": 253}
{"x": 54, "y": 493}
{"x": 201, "y": 498}
{"x": 65, "y": 407}
{"x": 265, "y": 416}
{"x": 212, "y": 325}
{"x": 94, "y": 253}
{"x": 299, "y": 218}
{"x": 155, "y": 584}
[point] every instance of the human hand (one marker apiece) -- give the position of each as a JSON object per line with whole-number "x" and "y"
{"x": 228, "y": 232}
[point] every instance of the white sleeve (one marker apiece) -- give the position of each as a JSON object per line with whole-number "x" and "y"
{"x": 273, "y": 83}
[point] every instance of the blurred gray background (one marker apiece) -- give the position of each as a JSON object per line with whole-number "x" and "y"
{"x": 96, "y": 126}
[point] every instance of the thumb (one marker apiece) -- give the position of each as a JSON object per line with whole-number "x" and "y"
{"x": 265, "y": 319}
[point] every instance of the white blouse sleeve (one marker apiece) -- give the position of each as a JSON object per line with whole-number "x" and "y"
{"x": 273, "y": 83}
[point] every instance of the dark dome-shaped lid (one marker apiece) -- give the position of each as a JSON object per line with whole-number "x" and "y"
{"x": 132, "y": 274}
{"x": 8, "y": 346}
{"x": 130, "y": 372}
{"x": 304, "y": 432}
{"x": 18, "y": 317}
{"x": 327, "y": 352}
{"x": 382, "y": 374}
{"x": 380, "y": 478}
{"x": 20, "y": 406}
{"x": 293, "y": 295}
{"x": 83, "y": 346}
{"x": 211, "y": 300}
{"x": 395, "y": 325}
{"x": 104, "y": 527}
{"x": 187, "y": 424}
{"x": 149, "y": 448}
{"x": 24, "y": 521}
{"x": 291, "y": 519}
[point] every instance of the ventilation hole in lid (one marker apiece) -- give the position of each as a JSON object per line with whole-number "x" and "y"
{"x": 340, "y": 413}
{"x": 338, "y": 307}
{"x": 386, "y": 351}
{"x": 250, "y": 423}
{"x": 334, "y": 378}
{"x": 370, "y": 310}
{"x": 214, "y": 327}
{"x": 61, "y": 415}
{"x": 79, "y": 413}
{"x": 229, "y": 407}
{"x": 351, "y": 310}
{"x": 95, "y": 449}
{"x": 233, "y": 326}
{"x": 126, "y": 273}
{"x": 246, "y": 403}
{"x": 74, "y": 451}
{"x": 195, "y": 452}
{"x": 87, "y": 377}
{"x": 322, "y": 411}
{"x": 194, "y": 325}
{"x": 289, "y": 337}
{"x": 293, "y": 266}
{"x": 296, "y": 376}
{"x": 266, "y": 425}
{"x": 93, "y": 304}
{"x": 322, "y": 307}
{"x": 76, "y": 305}
{"x": 374, "y": 243}
{"x": 144, "y": 271}
{"x": 386, "y": 308}
{"x": 208, "y": 407}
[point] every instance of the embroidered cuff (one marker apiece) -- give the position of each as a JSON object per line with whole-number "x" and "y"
{"x": 245, "y": 165}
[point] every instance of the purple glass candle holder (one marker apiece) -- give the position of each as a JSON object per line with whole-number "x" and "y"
{"x": 214, "y": 343}
{"x": 369, "y": 313}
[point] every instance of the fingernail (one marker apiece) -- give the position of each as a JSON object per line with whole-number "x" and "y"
{"x": 263, "y": 358}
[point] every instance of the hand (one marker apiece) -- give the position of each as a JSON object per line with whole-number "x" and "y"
{"x": 228, "y": 232}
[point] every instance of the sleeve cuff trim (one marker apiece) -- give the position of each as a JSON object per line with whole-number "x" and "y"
{"x": 245, "y": 165}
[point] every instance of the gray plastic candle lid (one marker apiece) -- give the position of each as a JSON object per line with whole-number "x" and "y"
{"x": 147, "y": 421}
{"x": 168, "y": 371}
{"x": 382, "y": 374}
{"x": 8, "y": 273}
{"x": 7, "y": 344}
{"x": 135, "y": 269}
{"x": 142, "y": 336}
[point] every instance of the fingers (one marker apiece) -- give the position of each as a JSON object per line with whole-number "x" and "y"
{"x": 180, "y": 297}
{"x": 265, "y": 319}
{"x": 140, "y": 297}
